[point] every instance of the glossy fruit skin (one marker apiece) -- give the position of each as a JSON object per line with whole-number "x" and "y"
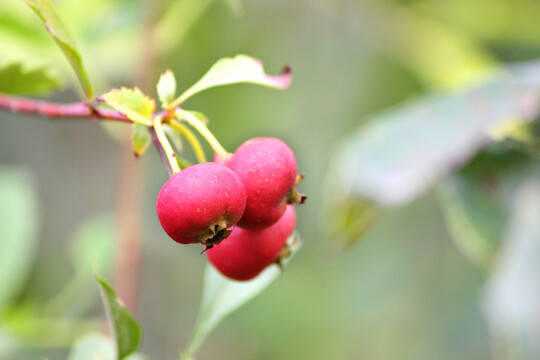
{"x": 246, "y": 253}
{"x": 200, "y": 201}
{"x": 267, "y": 168}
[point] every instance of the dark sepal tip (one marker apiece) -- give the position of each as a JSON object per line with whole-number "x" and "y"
{"x": 207, "y": 247}
{"x": 279, "y": 264}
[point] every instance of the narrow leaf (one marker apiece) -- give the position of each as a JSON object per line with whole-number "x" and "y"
{"x": 16, "y": 79}
{"x": 131, "y": 102}
{"x": 61, "y": 36}
{"x": 19, "y": 222}
{"x": 222, "y": 296}
{"x": 124, "y": 327}
{"x": 240, "y": 69}
{"x": 166, "y": 88}
{"x": 140, "y": 138}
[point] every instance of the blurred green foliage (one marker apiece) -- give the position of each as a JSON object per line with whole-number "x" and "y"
{"x": 406, "y": 291}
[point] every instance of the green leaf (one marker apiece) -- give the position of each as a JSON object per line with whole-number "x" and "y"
{"x": 16, "y": 79}
{"x": 222, "y": 296}
{"x": 166, "y": 88}
{"x": 402, "y": 153}
{"x": 240, "y": 69}
{"x": 93, "y": 244}
{"x": 92, "y": 346}
{"x": 473, "y": 216}
{"x": 399, "y": 155}
{"x": 131, "y": 102}
{"x": 140, "y": 138}
{"x": 511, "y": 297}
{"x": 61, "y": 36}
{"x": 124, "y": 327}
{"x": 19, "y": 223}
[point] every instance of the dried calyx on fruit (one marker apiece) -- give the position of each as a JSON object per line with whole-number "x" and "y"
{"x": 246, "y": 253}
{"x": 267, "y": 168}
{"x": 200, "y": 203}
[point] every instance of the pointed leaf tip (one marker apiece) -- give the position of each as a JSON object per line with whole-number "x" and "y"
{"x": 126, "y": 330}
{"x": 283, "y": 80}
{"x": 45, "y": 10}
{"x": 140, "y": 139}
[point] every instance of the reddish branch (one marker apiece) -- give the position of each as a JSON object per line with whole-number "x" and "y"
{"x": 56, "y": 110}
{"x": 129, "y": 197}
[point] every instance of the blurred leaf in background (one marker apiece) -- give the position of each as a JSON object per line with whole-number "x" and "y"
{"x": 402, "y": 153}
{"x": 93, "y": 244}
{"x": 18, "y": 79}
{"x": 19, "y": 225}
{"x": 223, "y": 296}
{"x": 123, "y": 326}
{"x": 511, "y": 298}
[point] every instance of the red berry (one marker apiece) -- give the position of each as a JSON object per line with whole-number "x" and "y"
{"x": 267, "y": 167}
{"x": 199, "y": 203}
{"x": 246, "y": 253}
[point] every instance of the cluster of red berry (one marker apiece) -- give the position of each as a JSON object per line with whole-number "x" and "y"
{"x": 244, "y": 198}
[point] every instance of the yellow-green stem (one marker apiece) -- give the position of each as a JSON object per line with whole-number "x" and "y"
{"x": 203, "y": 130}
{"x": 171, "y": 156}
{"x": 191, "y": 138}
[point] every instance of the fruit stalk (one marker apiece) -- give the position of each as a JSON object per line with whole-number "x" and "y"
{"x": 191, "y": 138}
{"x": 171, "y": 156}
{"x": 203, "y": 130}
{"x": 160, "y": 150}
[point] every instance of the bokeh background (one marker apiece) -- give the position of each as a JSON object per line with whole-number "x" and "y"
{"x": 402, "y": 290}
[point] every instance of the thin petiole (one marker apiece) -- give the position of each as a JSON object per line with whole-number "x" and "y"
{"x": 191, "y": 138}
{"x": 171, "y": 156}
{"x": 203, "y": 130}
